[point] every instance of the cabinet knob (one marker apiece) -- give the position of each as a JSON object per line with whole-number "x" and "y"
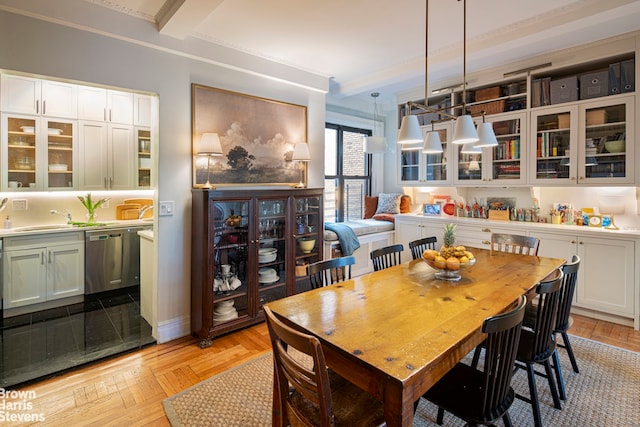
{"x": 486, "y": 242}
{"x": 581, "y": 243}
{"x": 573, "y": 241}
{"x": 486, "y": 230}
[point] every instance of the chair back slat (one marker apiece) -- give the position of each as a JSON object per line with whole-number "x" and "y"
{"x": 387, "y": 257}
{"x": 501, "y": 349}
{"x": 312, "y": 383}
{"x": 548, "y": 297}
{"x": 515, "y": 244}
{"x": 570, "y": 271}
{"x": 419, "y": 246}
{"x": 328, "y": 272}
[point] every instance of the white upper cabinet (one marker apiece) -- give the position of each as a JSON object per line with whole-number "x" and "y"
{"x": 105, "y": 105}
{"x": 141, "y": 110}
{"x": 27, "y": 95}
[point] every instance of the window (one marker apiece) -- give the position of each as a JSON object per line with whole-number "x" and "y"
{"x": 347, "y": 172}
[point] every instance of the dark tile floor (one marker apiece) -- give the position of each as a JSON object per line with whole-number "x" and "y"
{"x": 38, "y": 345}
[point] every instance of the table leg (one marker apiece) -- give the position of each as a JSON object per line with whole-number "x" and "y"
{"x": 398, "y": 405}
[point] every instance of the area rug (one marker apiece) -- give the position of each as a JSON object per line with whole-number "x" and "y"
{"x": 606, "y": 392}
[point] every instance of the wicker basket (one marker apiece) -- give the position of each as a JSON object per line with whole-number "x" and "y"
{"x": 493, "y": 107}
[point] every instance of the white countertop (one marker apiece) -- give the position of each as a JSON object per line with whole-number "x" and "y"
{"x": 61, "y": 227}
{"x": 538, "y": 226}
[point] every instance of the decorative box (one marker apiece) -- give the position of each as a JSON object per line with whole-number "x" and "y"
{"x": 596, "y": 117}
{"x": 564, "y": 90}
{"x": 594, "y": 85}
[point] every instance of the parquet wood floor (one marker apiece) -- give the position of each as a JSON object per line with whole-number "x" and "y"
{"x": 128, "y": 390}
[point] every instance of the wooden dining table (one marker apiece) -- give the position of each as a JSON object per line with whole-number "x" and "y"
{"x": 396, "y": 332}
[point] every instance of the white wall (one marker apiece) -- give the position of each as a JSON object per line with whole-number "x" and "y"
{"x": 34, "y": 46}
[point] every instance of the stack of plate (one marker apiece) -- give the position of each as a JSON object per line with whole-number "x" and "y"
{"x": 267, "y": 255}
{"x": 224, "y": 311}
{"x": 267, "y": 275}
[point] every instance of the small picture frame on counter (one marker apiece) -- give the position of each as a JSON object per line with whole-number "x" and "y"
{"x": 431, "y": 209}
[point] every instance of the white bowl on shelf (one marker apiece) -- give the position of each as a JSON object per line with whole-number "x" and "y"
{"x": 58, "y": 167}
{"x": 28, "y": 129}
{"x": 54, "y": 131}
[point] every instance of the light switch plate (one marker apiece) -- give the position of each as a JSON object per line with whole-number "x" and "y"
{"x": 166, "y": 208}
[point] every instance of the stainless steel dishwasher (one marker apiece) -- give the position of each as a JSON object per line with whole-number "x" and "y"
{"x": 112, "y": 259}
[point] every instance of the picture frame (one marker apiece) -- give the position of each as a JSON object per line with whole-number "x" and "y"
{"x": 431, "y": 209}
{"x": 257, "y": 137}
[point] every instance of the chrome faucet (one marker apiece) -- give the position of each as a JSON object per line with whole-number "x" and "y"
{"x": 66, "y": 214}
{"x": 144, "y": 210}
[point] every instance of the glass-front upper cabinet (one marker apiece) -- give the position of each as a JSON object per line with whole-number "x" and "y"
{"x": 272, "y": 250}
{"x": 420, "y": 168}
{"x": 553, "y": 151}
{"x": 143, "y": 137}
{"x": 508, "y": 158}
{"x": 607, "y": 136}
{"x": 38, "y": 153}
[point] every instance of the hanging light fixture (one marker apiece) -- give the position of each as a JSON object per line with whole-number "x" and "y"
{"x": 432, "y": 143}
{"x": 375, "y": 144}
{"x": 470, "y": 148}
{"x": 486, "y": 136}
{"x": 410, "y": 132}
{"x": 464, "y": 131}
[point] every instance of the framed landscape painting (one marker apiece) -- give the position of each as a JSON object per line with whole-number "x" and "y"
{"x": 257, "y": 137}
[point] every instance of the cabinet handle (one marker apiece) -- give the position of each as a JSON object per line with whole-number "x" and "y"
{"x": 42, "y": 258}
{"x": 37, "y": 106}
{"x": 104, "y": 114}
{"x": 44, "y": 107}
{"x": 486, "y": 230}
{"x": 105, "y": 183}
{"x": 109, "y": 114}
{"x": 111, "y": 183}
{"x": 486, "y": 242}
{"x": 49, "y": 257}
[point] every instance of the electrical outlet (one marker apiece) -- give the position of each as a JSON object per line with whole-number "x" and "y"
{"x": 19, "y": 204}
{"x": 166, "y": 208}
{"x": 105, "y": 205}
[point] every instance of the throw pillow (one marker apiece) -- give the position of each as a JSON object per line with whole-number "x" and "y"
{"x": 389, "y": 203}
{"x": 370, "y": 206}
{"x": 385, "y": 217}
{"x": 405, "y": 204}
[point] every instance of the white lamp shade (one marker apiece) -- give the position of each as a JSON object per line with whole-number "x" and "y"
{"x": 301, "y": 152}
{"x": 209, "y": 145}
{"x": 432, "y": 143}
{"x": 486, "y": 136}
{"x": 410, "y": 132}
{"x": 375, "y": 144}
{"x": 465, "y": 130}
{"x": 474, "y": 165}
{"x": 470, "y": 148}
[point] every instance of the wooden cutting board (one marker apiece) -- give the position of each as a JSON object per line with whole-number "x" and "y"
{"x": 128, "y": 211}
{"x": 142, "y": 203}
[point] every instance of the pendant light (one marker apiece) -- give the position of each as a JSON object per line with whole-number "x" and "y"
{"x": 375, "y": 144}
{"x": 486, "y": 135}
{"x": 410, "y": 132}
{"x": 464, "y": 131}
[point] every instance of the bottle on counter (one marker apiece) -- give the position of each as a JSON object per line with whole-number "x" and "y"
{"x": 7, "y": 223}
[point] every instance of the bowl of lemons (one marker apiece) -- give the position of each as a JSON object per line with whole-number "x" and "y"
{"x": 448, "y": 261}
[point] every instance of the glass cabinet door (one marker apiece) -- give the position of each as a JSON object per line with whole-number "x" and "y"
{"x": 469, "y": 166}
{"x": 61, "y": 154}
{"x": 230, "y": 260}
{"x": 554, "y": 150}
{"x": 21, "y": 159}
{"x": 409, "y": 165}
{"x": 507, "y": 159}
{"x": 143, "y": 137}
{"x": 608, "y": 141}
{"x": 307, "y": 229}
{"x": 272, "y": 262}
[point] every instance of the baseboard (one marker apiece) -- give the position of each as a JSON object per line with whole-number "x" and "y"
{"x": 594, "y": 314}
{"x": 173, "y": 329}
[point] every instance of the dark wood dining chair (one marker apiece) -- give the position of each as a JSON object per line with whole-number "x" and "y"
{"x": 309, "y": 393}
{"x": 330, "y": 271}
{"x": 386, "y": 257}
{"x": 483, "y": 396}
{"x": 537, "y": 344}
{"x": 514, "y": 243}
{"x": 419, "y": 246}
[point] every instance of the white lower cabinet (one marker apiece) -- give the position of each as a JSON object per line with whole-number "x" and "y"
{"x": 607, "y": 269}
{"x": 409, "y": 228}
{"x": 42, "y": 268}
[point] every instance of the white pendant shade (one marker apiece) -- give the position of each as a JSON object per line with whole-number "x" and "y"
{"x": 474, "y": 165}
{"x": 432, "y": 143}
{"x": 470, "y": 148}
{"x": 410, "y": 132}
{"x": 465, "y": 130}
{"x": 209, "y": 145}
{"x": 487, "y": 138}
{"x": 375, "y": 144}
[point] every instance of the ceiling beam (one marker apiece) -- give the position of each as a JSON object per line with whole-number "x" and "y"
{"x": 179, "y": 18}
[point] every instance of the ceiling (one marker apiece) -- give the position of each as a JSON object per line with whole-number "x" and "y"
{"x": 366, "y": 46}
